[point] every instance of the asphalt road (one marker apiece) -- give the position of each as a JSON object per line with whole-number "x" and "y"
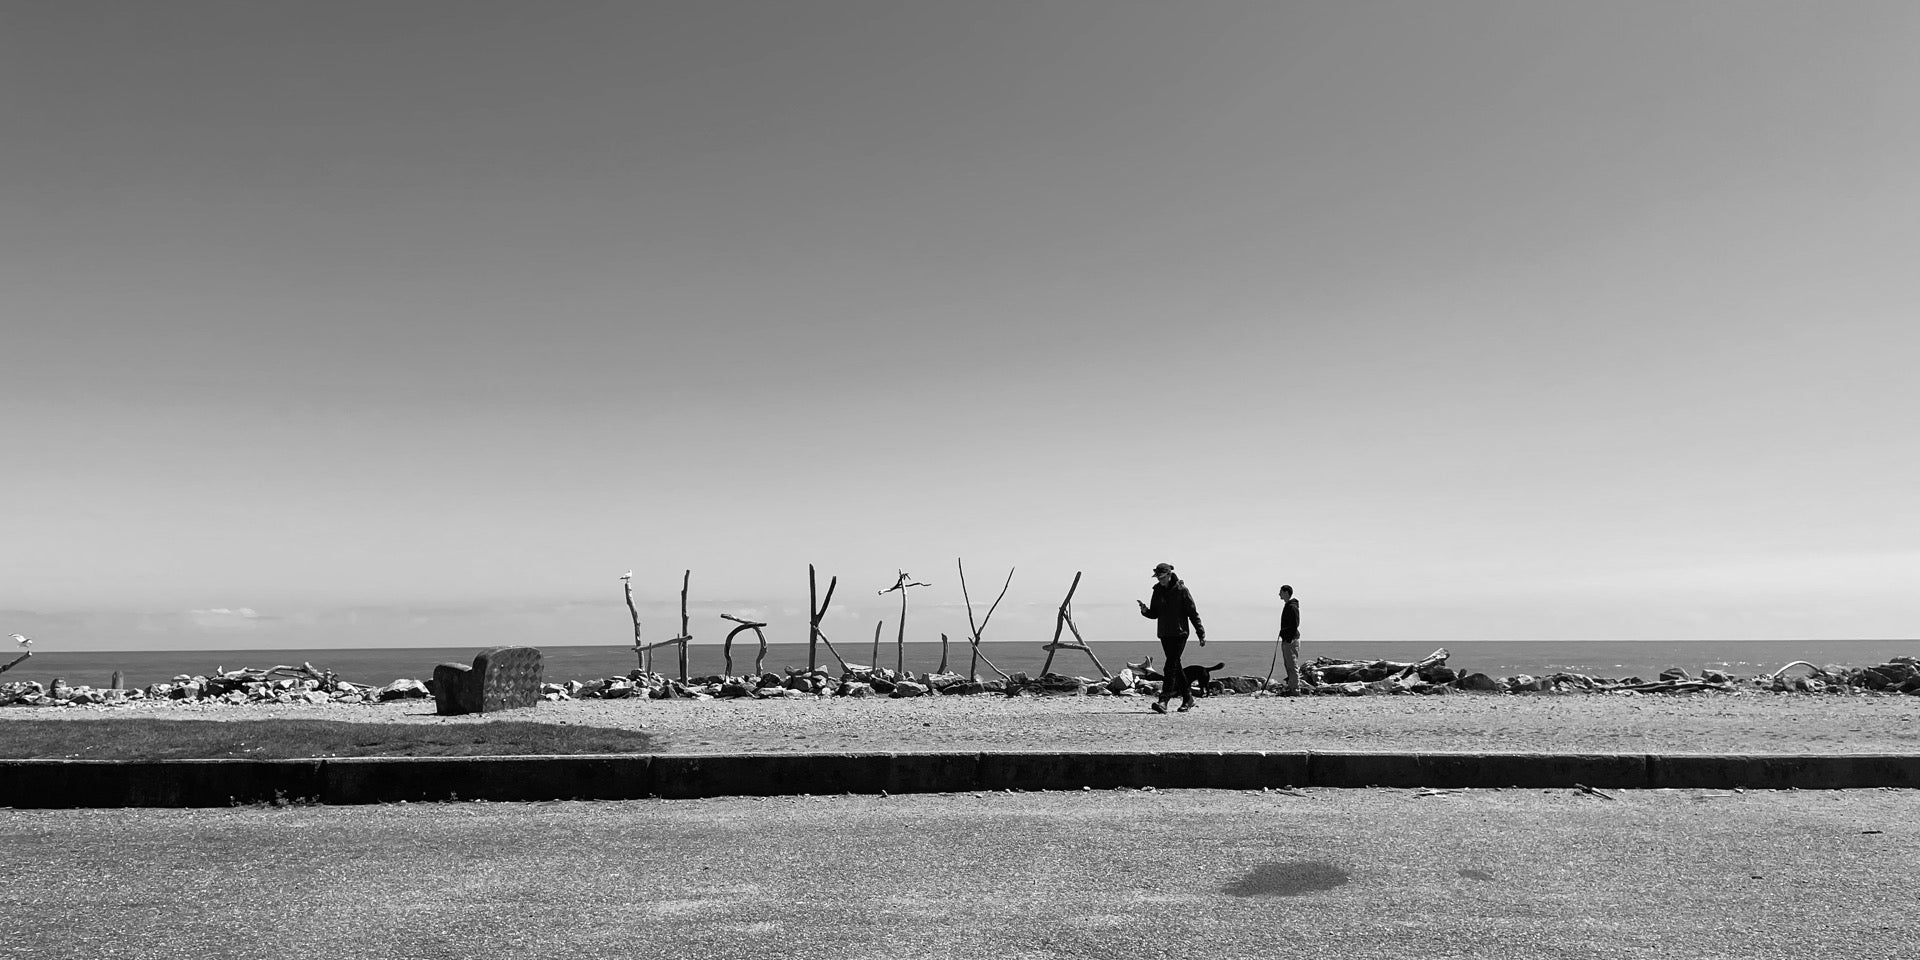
{"x": 1111, "y": 874}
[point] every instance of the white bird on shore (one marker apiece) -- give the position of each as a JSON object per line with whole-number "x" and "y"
{"x": 627, "y": 576}
{"x": 23, "y": 641}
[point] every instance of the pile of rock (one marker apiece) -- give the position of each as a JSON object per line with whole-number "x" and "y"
{"x": 302, "y": 684}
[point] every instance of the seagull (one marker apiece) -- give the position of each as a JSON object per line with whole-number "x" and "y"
{"x": 627, "y": 576}
{"x": 23, "y": 641}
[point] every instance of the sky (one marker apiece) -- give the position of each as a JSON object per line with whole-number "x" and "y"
{"x": 354, "y": 324}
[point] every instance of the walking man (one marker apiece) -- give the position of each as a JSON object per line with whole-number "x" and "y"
{"x": 1172, "y": 606}
{"x": 1290, "y": 638}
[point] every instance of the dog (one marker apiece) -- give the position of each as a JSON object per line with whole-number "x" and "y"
{"x": 1200, "y": 679}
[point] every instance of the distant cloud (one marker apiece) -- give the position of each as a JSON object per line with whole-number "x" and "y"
{"x": 226, "y": 618}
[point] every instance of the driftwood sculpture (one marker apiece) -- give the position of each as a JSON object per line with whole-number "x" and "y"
{"x": 814, "y": 614}
{"x": 727, "y": 649}
{"x": 1064, "y": 619}
{"x": 684, "y": 638}
{"x": 900, "y": 639}
{"x": 978, "y": 657}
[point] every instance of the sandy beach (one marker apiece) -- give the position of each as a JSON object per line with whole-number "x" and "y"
{"x": 1675, "y": 723}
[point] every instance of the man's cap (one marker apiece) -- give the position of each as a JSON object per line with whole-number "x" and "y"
{"x": 1160, "y": 568}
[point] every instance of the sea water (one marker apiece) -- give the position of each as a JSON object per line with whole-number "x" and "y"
{"x": 1605, "y": 658}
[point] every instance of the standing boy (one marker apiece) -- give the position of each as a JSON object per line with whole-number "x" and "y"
{"x": 1172, "y": 606}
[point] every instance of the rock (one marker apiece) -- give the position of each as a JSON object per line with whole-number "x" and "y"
{"x": 854, "y": 688}
{"x": 735, "y": 689}
{"x": 800, "y": 682}
{"x": 1715, "y": 676}
{"x": 618, "y": 690}
{"x": 402, "y": 690}
{"x": 1675, "y": 673}
{"x": 1478, "y": 681}
{"x": 944, "y": 682}
{"x": 769, "y": 680}
{"x": 1243, "y": 684}
{"x": 1121, "y": 682}
{"x": 908, "y": 688}
{"x": 60, "y": 689}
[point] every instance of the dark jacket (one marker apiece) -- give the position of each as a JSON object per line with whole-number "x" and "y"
{"x": 1290, "y": 619}
{"x": 1172, "y": 605}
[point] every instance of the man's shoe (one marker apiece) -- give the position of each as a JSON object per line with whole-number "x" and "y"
{"x": 1159, "y": 706}
{"x": 1186, "y": 704}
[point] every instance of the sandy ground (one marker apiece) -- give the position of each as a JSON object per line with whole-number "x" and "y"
{"x": 1683, "y": 723}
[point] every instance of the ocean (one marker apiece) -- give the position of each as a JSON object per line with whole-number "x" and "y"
{"x": 1616, "y": 659}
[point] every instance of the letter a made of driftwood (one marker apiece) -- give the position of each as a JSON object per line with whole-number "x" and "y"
{"x": 973, "y": 666}
{"x": 684, "y": 638}
{"x": 727, "y": 649}
{"x": 1064, "y": 619}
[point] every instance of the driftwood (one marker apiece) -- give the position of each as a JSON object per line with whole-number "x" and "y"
{"x": 815, "y": 612}
{"x": 17, "y": 661}
{"x": 727, "y": 649}
{"x": 626, "y": 584}
{"x": 684, "y": 638}
{"x": 900, "y": 639}
{"x": 1368, "y": 671}
{"x": 1064, "y": 619}
{"x": 974, "y": 640}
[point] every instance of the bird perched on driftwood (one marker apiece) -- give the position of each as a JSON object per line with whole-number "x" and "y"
{"x": 23, "y": 641}
{"x": 627, "y": 576}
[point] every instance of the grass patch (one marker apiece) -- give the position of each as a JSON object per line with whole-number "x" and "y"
{"x": 144, "y": 739}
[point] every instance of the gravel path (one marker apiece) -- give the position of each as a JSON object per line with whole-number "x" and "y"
{"x": 1688, "y": 723}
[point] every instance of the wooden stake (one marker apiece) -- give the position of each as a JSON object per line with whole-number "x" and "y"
{"x": 626, "y": 584}
{"x": 685, "y": 637}
{"x": 21, "y": 659}
{"x": 901, "y": 584}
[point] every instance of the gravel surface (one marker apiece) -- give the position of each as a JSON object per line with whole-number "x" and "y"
{"x": 1102, "y": 874}
{"x": 1687, "y": 723}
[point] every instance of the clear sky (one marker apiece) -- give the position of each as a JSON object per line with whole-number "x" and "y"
{"x": 369, "y": 323}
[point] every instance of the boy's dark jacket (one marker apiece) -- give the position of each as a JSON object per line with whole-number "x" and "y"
{"x": 1172, "y": 605}
{"x": 1290, "y": 619}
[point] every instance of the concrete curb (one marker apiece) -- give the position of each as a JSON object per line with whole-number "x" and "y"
{"x": 218, "y": 783}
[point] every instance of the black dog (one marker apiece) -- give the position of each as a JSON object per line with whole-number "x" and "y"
{"x": 1200, "y": 679}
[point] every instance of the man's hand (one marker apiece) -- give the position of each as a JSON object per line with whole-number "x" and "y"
{"x": 1203, "y": 639}
{"x": 1143, "y": 605}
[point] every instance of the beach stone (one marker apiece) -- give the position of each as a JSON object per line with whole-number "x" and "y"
{"x": 618, "y": 690}
{"x": 854, "y": 688}
{"x": 402, "y": 689}
{"x": 908, "y": 688}
{"x": 1478, "y": 681}
{"x": 1715, "y": 676}
{"x": 1243, "y": 684}
{"x": 1675, "y": 673}
{"x": 734, "y": 689}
